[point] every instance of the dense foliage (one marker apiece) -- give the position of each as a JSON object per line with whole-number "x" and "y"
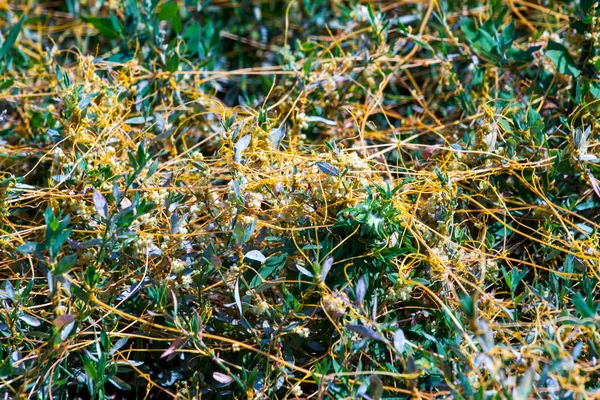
{"x": 322, "y": 198}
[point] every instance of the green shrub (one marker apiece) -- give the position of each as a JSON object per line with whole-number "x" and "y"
{"x": 314, "y": 198}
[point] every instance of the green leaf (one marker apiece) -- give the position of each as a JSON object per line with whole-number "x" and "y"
{"x": 100, "y": 204}
{"x": 104, "y": 26}
{"x": 138, "y": 120}
{"x": 65, "y": 264}
{"x": 169, "y": 12}
{"x": 376, "y": 387}
{"x": 104, "y": 340}
{"x": 365, "y": 332}
{"x": 57, "y": 241}
{"x": 479, "y": 37}
{"x": 255, "y": 255}
{"x": 63, "y": 320}
{"x": 240, "y": 146}
{"x": 328, "y": 169}
{"x": 152, "y": 169}
{"x": 116, "y": 24}
{"x": 562, "y": 60}
{"x": 525, "y": 385}
{"x": 7, "y": 84}
{"x": 586, "y": 4}
{"x": 582, "y": 307}
{"x": 271, "y": 265}
{"x": 469, "y": 29}
{"x": 90, "y": 368}
{"x": 595, "y": 86}
{"x": 119, "y": 384}
{"x": 506, "y": 38}
{"x": 11, "y": 38}
{"x": 29, "y": 248}
{"x": 29, "y": 320}
{"x": 173, "y": 63}
{"x": 120, "y": 343}
{"x": 80, "y": 293}
{"x": 9, "y": 291}
{"x": 422, "y": 281}
{"x": 91, "y": 277}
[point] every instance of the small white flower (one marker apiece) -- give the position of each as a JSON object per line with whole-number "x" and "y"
{"x": 177, "y": 266}
{"x": 262, "y": 307}
{"x": 186, "y": 281}
{"x": 297, "y": 391}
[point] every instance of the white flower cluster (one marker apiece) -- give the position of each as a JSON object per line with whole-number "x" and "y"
{"x": 462, "y": 261}
{"x": 302, "y": 332}
{"x": 157, "y": 196}
{"x": 186, "y": 281}
{"x": 399, "y": 293}
{"x": 261, "y": 307}
{"x": 254, "y": 201}
{"x": 145, "y": 222}
{"x": 302, "y": 121}
{"x": 145, "y": 244}
{"x": 297, "y": 391}
{"x": 178, "y": 266}
{"x": 58, "y": 154}
{"x": 82, "y": 209}
{"x": 334, "y": 305}
{"x": 441, "y": 201}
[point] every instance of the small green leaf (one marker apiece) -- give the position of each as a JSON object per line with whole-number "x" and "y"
{"x": 328, "y": 169}
{"x": 255, "y": 255}
{"x": 376, "y": 387}
{"x": 7, "y": 84}
{"x": 11, "y": 38}
{"x": 138, "y": 120}
{"x": 120, "y": 343}
{"x": 152, "y": 169}
{"x": 240, "y": 146}
{"x": 80, "y": 293}
{"x": 399, "y": 340}
{"x": 29, "y": 320}
{"x": 104, "y": 26}
{"x": 271, "y": 265}
{"x": 116, "y": 24}
{"x": 173, "y": 63}
{"x": 65, "y": 264}
{"x": 582, "y": 307}
{"x": 119, "y": 384}
{"x": 562, "y": 60}
{"x": 236, "y": 295}
{"x": 100, "y": 204}
{"x": 104, "y": 340}
{"x": 525, "y": 385}
{"x": 8, "y": 292}
{"x": 63, "y": 320}
{"x": 90, "y": 368}
{"x": 365, "y": 332}
{"x": 169, "y": 12}
{"x": 29, "y": 248}
{"x": 422, "y": 281}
